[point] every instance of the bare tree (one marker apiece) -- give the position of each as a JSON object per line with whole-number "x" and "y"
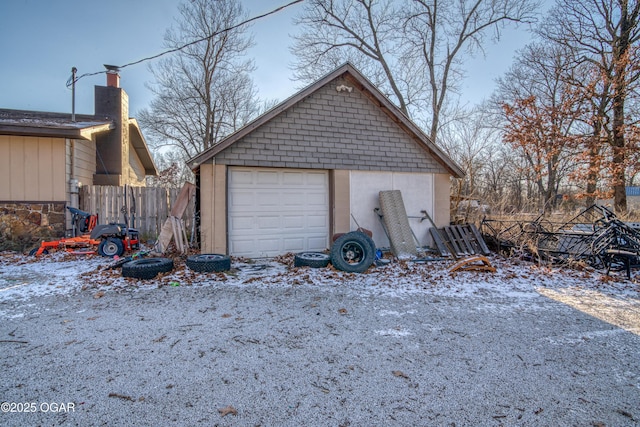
{"x": 363, "y": 32}
{"x": 412, "y": 49}
{"x": 605, "y": 34}
{"x": 469, "y": 141}
{"x": 204, "y": 91}
{"x": 503, "y": 180}
{"x": 440, "y": 33}
{"x": 173, "y": 171}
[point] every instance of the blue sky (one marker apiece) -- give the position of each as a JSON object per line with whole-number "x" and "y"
{"x": 41, "y": 40}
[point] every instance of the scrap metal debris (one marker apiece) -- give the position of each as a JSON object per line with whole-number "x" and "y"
{"x": 595, "y": 237}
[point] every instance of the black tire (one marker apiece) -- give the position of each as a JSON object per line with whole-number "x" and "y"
{"x": 206, "y": 263}
{"x": 373, "y": 246}
{"x": 311, "y": 259}
{"x": 146, "y": 268}
{"x": 111, "y": 247}
{"x": 352, "y": 252}
{"x": 33, "y": 251}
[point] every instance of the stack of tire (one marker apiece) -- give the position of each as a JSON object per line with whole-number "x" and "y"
{"x": 148, "y": 268}
{"x": 352, "y": 252}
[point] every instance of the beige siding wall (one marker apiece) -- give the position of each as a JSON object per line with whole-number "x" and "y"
{"x": 32, "y": 169}
{"x": 135, "y": 171}
{"x": 213, "y": 208}
{"x": 84, "y": 161}
{"x": 340, "y": 202}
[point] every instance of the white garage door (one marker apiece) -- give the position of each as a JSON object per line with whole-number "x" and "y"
{"x": 275, "y": 211}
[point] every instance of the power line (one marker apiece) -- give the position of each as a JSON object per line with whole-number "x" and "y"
{"x": 71, "y": 81}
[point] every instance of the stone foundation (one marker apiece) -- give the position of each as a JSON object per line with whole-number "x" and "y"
{"x": 24, "y": 225}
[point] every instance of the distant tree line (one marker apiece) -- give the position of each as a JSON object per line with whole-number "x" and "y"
{"x": 563, "y": 120}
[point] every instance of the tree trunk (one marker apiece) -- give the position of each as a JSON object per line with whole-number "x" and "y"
{"x": 620, "y": 54}
{"x": 592, "y": 173}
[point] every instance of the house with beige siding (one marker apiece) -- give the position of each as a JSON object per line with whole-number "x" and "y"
{"x": 313, "y": 166}
{"x": 45, "y": 157}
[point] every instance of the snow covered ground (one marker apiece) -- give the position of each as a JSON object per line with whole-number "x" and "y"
{"x": 607, "y": 297}
{"x": 267, "y": 344}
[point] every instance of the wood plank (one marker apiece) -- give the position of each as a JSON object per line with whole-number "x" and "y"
{"x": 465, "y": 238}
{"x": 165, "y": 237}
{"x": 483, "y": 245}
{"x": 474, "y": 263}
{"x": 183, "y": 199}
{"x": 453, "y": 241}
{"x": 440, "y": 244}
{"x": 459, "y": 240}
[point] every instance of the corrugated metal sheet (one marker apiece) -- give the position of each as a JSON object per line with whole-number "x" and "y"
{"x": 632, "y": 191}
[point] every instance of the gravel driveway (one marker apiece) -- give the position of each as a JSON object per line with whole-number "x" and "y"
{"x": 334, "y": 355}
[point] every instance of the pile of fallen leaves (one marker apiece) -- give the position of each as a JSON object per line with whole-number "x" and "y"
{"x": 398, "y": 274}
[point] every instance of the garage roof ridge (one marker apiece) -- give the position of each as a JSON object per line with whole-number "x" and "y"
{"x": 364, "y": 85}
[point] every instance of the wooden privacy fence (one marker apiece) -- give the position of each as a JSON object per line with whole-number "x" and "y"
{"x": 152, "y": 206}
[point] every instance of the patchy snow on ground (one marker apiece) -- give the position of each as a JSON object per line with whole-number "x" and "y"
{"x": 24, "y": 277}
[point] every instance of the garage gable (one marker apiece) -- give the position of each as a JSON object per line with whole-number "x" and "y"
{"x": 341, "y": 122}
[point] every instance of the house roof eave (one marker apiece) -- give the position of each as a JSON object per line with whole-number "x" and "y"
{"x": 71, "y": 132}
{"x": 140, "y": 146}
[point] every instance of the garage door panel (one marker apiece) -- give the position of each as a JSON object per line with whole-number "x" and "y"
{"x": 292, "y": 222}
{"x": 242, "y": 247}
{"x": 417, "y": 194}
{"x": 318, "y": 243}
{"x": 243, "y": 177}
{"x": 317, "y": 221}
{"x": 268, "y": 247}
{"x": 240, "y": 198}
{"x": 295, "y": 179}
{"x": 242, "y": 222}
{"x": 315, "y": 178}
{"x": 277, "y": 211}
{"x": 268, "y": 222}
{"x": 292, "y": 199}
{"x": 266, "y": 199}
{"x": 293, "y": 244}
{"x": 266, "y": 178}
{"x": 315, "y": 199}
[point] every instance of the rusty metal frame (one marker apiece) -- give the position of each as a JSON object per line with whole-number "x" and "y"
{"x": 595, "y": 236}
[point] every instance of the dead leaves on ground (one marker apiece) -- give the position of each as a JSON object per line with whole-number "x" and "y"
{"x": 125, "y": 397}
{"x": 398, "y": 274}
{"x": 400, "y": 374}
{"x": 227, "y": 410}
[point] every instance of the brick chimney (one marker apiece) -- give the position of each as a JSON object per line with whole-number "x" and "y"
{"x": 113, "y": 75}
{"x": 112, "y": 148}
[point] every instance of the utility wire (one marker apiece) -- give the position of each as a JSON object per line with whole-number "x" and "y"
{"x": 71, "y": 81}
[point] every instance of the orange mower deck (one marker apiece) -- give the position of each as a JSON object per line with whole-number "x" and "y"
{"x": 69, "y": 244}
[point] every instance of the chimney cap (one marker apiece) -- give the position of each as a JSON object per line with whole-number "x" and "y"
{"x": 112, "y": 68}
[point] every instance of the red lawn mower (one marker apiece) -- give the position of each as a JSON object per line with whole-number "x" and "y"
{"x": 111, "y": 239}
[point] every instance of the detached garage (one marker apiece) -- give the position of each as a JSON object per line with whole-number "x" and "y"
{"x": 307, "y": 168}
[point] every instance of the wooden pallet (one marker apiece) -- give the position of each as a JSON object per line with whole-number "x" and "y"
{"x": 459, "y": 240}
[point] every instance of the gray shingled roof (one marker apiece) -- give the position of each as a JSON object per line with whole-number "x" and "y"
{"x": 38, "y": 123}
